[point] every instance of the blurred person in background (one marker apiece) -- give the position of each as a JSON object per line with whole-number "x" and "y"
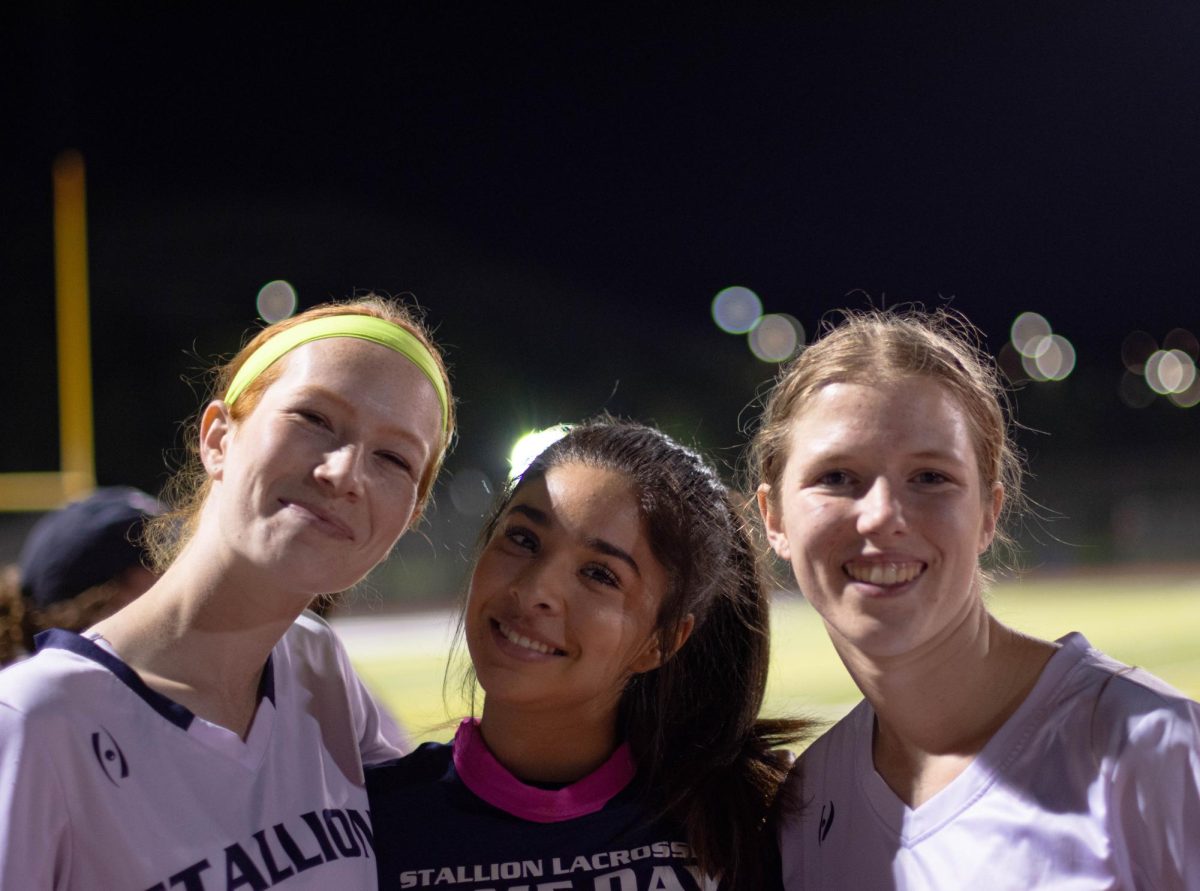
{"x": 980, "y": 757}
{"x": 78, "y": 564}
{"x": 618, "y": 626}
{"x": 213, "y": 733}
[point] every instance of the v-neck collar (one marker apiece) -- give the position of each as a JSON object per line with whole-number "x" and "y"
{"x": 248, "y": 752}
{"x": 911, "y": 825}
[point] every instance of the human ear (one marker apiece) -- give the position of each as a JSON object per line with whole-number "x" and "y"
{"x": 773, "y": 523}
{"x": 652, "y": 657}
{"x": 991, "y": 515}
{"x": 215, "y": 427}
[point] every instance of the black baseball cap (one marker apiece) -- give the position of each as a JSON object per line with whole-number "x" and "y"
{"x": 85, "y": 543}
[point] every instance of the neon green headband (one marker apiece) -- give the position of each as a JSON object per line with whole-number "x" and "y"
{"x": 350, "y": 325}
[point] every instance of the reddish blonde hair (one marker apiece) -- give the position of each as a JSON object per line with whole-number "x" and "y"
{"x": 187, "y": 491}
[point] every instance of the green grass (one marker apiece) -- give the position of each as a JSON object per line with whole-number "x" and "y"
{"x": 1149, "y": 622}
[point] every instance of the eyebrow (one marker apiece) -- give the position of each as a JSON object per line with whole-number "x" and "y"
{"x": 835, "y": 456}
{"x": 538, "y": 516}
{"x": 313, "y": 391}
{"x": 604, "y": 547}
{"x": 541, "y": 518}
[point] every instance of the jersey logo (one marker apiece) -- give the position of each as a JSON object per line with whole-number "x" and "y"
{"x": 109, "y": 756}
{"x": 826, "y": 822}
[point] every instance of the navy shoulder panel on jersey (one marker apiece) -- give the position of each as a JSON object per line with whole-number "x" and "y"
{"x": 180, "y": 716}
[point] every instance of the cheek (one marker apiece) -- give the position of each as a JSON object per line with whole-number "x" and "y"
{"x": 813, "y": 522}
{"x": 398, "y": 509}
{"x": 611, "y": 627}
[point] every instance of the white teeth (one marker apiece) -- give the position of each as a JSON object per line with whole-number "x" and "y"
{"x": 522, "y": 641}
{"x": 883, "y": 573}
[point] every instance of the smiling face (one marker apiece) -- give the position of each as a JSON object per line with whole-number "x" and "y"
{"x": 319, "y": 481}
{"x": 564, "y": 598}
{"x": 882, "y": 515}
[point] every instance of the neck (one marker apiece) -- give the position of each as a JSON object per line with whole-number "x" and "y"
{"x": 938, "y": 707}
{"x": 545, "y": 746}
{"x": 201, "y": 636}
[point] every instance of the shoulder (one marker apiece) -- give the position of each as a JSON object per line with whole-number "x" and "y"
{"x": 1116, "y": 691}
{"x": 310, "y": 630}
{"x": 830, "y": 758}
{"x": 47, "y": 682}
{"x": 311, "y": 642}
{"x": 413, "y": 787}
{"x": 837, "y": 741}
{"x": 1123, "y": 707}
{"x": 428, "y": 762}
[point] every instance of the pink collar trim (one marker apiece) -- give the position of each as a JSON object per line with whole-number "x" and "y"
{"x": 489, "y": 780}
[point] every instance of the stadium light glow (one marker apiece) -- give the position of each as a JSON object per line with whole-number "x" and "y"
{"x": 530, "y": 445}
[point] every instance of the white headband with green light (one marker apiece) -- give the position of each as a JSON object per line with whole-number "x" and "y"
{"x": 353, "y": 325}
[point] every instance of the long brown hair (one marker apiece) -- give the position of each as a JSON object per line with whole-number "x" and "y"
{"x": 704, "y": 756}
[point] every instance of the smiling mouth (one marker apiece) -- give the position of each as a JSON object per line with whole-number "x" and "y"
{"x": 884, "y": 574}
{"x": 521, "y": 641}
{"x": 332, "y": 525}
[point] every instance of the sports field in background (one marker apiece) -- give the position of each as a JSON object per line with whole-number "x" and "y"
{"x": 1152, "y": 622}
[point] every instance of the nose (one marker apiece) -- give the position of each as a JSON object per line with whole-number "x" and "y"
{"x": 880, "y": 509}
{"x": 538, "y": 588}
{"x": 341, "y": 470}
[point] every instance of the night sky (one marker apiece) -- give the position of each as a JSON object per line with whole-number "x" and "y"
{"x": 565, "y": 191}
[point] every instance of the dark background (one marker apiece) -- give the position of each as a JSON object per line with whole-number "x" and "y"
{"x": 566, "y": 190}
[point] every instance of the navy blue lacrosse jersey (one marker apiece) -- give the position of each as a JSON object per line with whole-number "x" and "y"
{"x": 449, "y": 816}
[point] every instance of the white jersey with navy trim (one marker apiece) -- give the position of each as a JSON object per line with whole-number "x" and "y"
{"x": 1093, "y": 783}
{"x": 105, "y": 783}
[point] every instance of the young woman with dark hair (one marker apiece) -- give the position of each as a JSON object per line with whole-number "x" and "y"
{"x": 617, "y": 623}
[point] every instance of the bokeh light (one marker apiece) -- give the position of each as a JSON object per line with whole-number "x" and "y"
{"x": 1170, "y": 371}
{"x": 1133, "y": 390}
{"x": 471, "y": 492}
{"x": 276, "y": 301}
{"x": 1183, "y": 340}
{"x": 776, "y": 338}
{"x": 530, "y": 445}
{"x": 1030, "y": 331}
{"x": 1190, "y": 397}
{"x": 1136, "y": 349}
{"x": 1009, "y": 361}
{"x": 736, "y": 310}
{"x": 1049, "y": 358}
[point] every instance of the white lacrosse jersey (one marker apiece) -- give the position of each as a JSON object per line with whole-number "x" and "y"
{"x": 1093, "y": 783}
{"x": 107, "y": 784}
